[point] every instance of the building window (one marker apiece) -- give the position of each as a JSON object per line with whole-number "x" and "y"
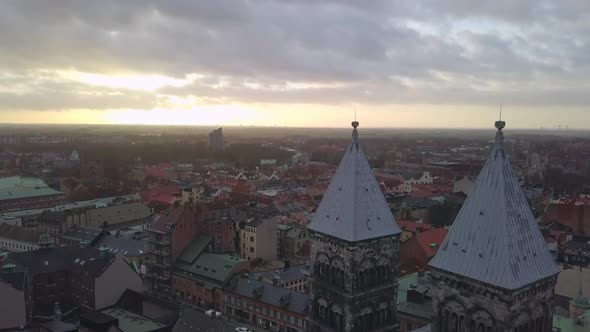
{"x": 251, "y": 239}
{"x": 251, "y": 249}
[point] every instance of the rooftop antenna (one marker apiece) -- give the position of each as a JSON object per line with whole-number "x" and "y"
{"x": 355, "y": 124}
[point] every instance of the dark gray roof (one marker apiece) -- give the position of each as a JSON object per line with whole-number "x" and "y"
{"x": 15, "y": 279}
{"x": 291, "y": 207}
{"x": 58, "y": 326}
{"x": 191, "y": 320}
{"x": 266, "y": 293}
{"x": 353, "y": 207}
{"x": 60, "y": 259}
{"x": 292, "y": 273}
{"x": 127, "y": 246}
{"x": 427, "y": 328}
{"x": 83, "y": 233}
{"x": 495, "y": 238}
{"x": 419, "y": 202}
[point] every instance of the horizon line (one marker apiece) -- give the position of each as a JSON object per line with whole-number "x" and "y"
{"x": 491, "y": 127}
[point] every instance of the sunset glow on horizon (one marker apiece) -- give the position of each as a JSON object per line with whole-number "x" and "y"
{"x": 398, "y": 64}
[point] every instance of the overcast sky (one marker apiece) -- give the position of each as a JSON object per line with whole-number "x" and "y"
{"x": 299, "y": 63}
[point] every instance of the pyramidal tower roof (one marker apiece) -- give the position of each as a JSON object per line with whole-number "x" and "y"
{"x": 495, "y": 238}
{"x": 353, "y": 207}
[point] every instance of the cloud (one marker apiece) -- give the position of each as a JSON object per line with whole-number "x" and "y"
{"x": 529, "y": 53}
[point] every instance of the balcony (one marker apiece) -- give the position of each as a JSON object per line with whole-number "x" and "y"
{"x": 157, "y": 276}
{"x": 152, "y": 262}
{"x": 164, "y": 253}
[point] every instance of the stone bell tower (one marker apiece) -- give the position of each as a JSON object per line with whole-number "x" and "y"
{"x": 355, "y": 250}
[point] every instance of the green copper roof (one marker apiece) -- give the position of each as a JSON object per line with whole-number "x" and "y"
{"x": 581, "y": 301}
{"x": 283, "y": 227}
{"x": 196, "y": 263}
{"x": 563, "y": 324}
{"x": 131, "y": 322}
{"x": 421, "y": 284}
{"x": 194, "y": 249}
{"x": 209, "y": 267}
{"x": 16, "y": 187}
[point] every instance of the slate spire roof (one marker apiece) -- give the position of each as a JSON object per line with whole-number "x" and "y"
{"x": 354, "y": 208}
{"x": 495, "y": 238}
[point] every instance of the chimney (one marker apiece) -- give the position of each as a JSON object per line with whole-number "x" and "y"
{"x": 104, "y": 250}
{"x": 57, "y": 311}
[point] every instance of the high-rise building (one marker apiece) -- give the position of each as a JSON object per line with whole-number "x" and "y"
{"x": 493, "y": 272}
{"x": 216, "y": 140}
{"x": 355, "y": 251}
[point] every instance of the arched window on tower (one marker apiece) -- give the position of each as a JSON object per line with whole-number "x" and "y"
{"x": 383, "y": 270}
{"x": 338, "y": 276}
{"x": 322, "y": 310}
{"x": 521, "y": 323}
{"x": 481, "y": 320}
{"x": 538, "y": 319}
{"x": 365, "y": 276}
{"x": 454, "y": 314}
{"x": 337, "y": 318}
{"x": 322, "y": 267}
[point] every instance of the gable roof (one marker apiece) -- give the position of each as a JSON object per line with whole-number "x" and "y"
{"x": 171, "y": 216}
{"x": 431, "y": 240}
{"x": 495, "y": 238}
{"x": 353, "y": 207}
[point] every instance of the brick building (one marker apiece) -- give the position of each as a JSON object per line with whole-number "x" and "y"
{"x": 166, "y": 240}
{"x": 24, "y": 193}
{"x": 221, "y": 226}
{"x": 199, "y": 275}
{"x": 573, "y": 212}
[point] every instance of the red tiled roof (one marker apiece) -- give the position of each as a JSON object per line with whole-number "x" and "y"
{"x": 155, "y": 171}
{"x": 171, "y": 216}
{"x": 574, "y": 201}
{"x": 162, "y": 194}
{"x": 434, "y": 236}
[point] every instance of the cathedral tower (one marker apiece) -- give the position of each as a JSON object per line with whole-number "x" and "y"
{"x": 493, "y": 272}
{"x": 355, "y": 249}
